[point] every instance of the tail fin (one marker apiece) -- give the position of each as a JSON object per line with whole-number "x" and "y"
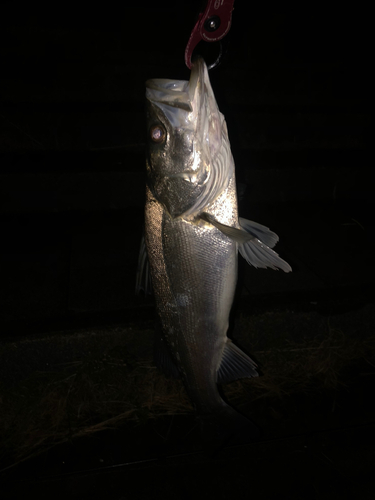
{"x": 227, "y": 427}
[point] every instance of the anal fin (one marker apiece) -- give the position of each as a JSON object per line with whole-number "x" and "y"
{"x": 235, "y": 364}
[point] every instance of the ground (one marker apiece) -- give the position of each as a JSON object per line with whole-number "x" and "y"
{"x": 98, "y": 418}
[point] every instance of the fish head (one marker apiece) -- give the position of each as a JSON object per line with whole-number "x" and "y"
{"x": 186, "y": 137}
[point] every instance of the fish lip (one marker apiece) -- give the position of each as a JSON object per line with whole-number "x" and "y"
{"x": 181, "y": 94}
{"x": 166, "y": 92}
{"x": 196, "y": 82}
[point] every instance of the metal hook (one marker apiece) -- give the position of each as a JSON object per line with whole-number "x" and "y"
{"x": 219, "y": 58}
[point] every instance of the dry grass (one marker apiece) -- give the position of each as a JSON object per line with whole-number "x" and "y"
{"x": 316, "y": 366}
{"x": 90, "y": 390}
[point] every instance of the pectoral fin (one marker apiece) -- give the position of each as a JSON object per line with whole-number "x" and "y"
{"x": 258, "y": 254}
{"x": 254, "y": 242}
{"x": 261, "y": 232}
{"x": 235, "y": 234}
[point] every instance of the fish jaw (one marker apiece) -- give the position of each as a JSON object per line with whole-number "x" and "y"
{"x": 186, "y": 171}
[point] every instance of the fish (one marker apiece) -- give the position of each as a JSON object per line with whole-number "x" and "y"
{"x": 192, "y": 238}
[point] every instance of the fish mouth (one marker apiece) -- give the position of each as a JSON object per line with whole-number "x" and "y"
{"x": 184, "y": 96}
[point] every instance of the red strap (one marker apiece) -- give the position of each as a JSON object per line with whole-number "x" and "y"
{"x": 212, "y": 25}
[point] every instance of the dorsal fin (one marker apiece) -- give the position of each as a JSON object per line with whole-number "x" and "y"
{"x": 143, "y": 278}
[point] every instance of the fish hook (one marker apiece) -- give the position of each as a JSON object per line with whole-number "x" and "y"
{"x": 219, "y": 58}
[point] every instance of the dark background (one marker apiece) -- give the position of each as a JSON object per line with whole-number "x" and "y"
{"x": 293, "y": 86}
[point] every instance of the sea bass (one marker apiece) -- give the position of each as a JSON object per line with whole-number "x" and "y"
{"x": 193, "y": 235}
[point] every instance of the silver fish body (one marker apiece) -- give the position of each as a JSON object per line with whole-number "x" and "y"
{"x": 194, "y": 272}
{"x": 193, "y": 235}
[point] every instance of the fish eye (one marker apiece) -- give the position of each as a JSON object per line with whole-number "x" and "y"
{"x": 158, "y": 133}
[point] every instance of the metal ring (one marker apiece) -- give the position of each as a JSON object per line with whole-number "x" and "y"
{"x": 218, "y": 60}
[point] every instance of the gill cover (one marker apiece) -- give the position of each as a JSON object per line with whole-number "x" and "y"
{"x": 189, "y": 161}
